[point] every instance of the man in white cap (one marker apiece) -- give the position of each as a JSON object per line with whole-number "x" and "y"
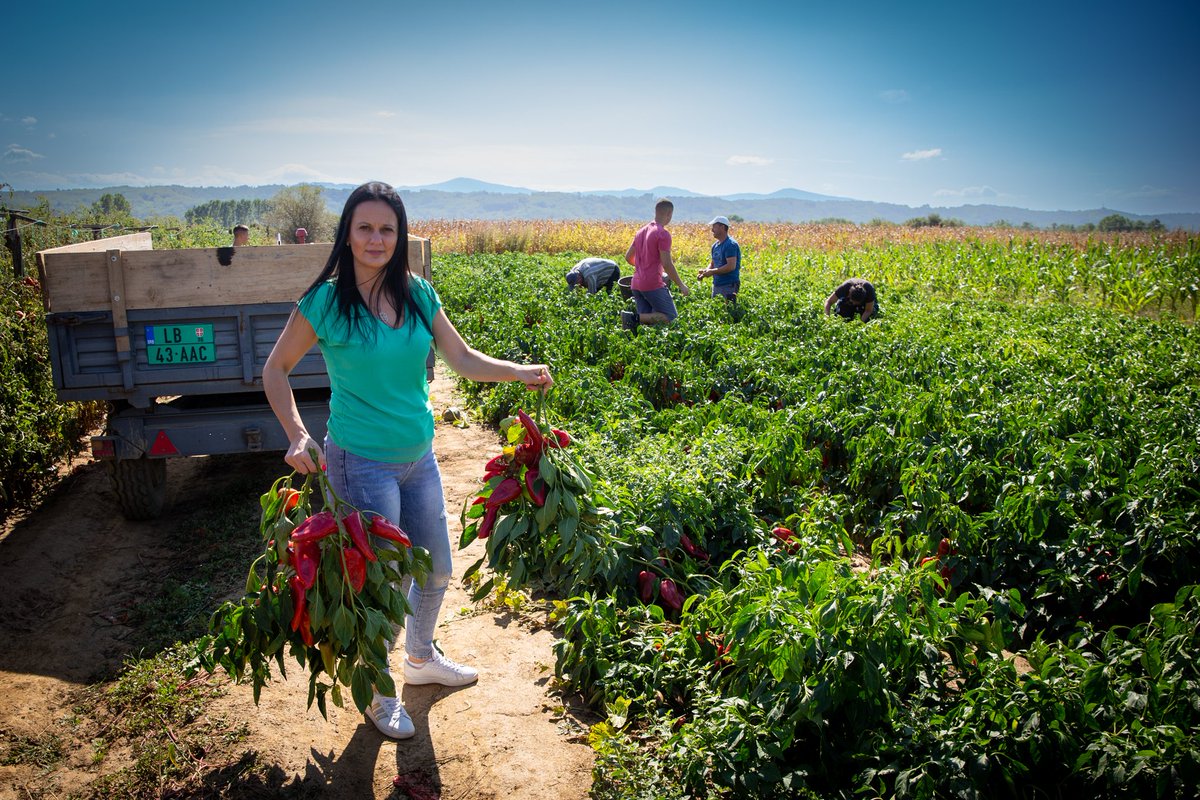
{"x": 726, "y": 266}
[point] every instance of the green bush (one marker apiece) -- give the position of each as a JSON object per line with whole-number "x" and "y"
{"x": 36, "y": 431}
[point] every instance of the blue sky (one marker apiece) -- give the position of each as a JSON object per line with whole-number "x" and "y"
{"x": 1042, "y": 105}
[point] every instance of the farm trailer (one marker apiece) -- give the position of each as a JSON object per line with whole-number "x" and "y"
{"x": 174, "y": 342}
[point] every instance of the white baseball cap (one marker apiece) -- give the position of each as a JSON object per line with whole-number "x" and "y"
{"x": 723, "y": 220}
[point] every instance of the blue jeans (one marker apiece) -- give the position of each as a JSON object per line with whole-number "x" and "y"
{"x": 410, "y": 495}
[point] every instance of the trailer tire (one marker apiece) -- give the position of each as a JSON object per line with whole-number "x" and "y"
{"x": 140, "y": 485}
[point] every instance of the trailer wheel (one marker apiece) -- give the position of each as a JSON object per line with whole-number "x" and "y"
{"x": 140, "y": 485}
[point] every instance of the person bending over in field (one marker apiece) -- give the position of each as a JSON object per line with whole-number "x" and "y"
{"x": 854, "y": 298}
{"x": 650, "y": 255}
{"x": 594, "y": 274}
{"x": 726, "y": 265}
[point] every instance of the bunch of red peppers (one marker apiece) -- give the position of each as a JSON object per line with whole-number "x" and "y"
{"x": 537, "y": 510}
{"x": 326, "y": 587}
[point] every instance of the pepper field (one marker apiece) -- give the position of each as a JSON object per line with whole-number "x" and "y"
{"x": 1032, "y": 399}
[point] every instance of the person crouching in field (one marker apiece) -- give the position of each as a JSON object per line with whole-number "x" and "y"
{"x": 725, "y": 268}
{"x": 650, "y": 255}
{"x": 855, "y": 297}
{"x": 594, "y": 274}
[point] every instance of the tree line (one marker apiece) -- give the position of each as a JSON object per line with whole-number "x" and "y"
{"x": 227, "y": 213}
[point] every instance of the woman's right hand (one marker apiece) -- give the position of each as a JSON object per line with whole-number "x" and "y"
{"x": 300, "y": 455}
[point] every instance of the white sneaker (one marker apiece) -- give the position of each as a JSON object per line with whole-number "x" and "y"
{"x": 389, "y": 716}
{"x": 439, "y": 669}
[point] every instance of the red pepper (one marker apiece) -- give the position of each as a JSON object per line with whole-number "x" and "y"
{"x": 527, "y": 455}
{"x": 533, "y": 433}
{"x": 489, "y": 519}
{"x": 496, "y": 466}
{"x": 691, "y": 549}
{"x": 299, "y": 602}
{"x": 356, "y": 568}
{"x": 507, "y": 489}
{"x": 646, "y": 585}
{"x": 291, "y": 498}
{"x": 305, "y": 558}
{"x": 354, "y": 526}
{"x": 784, "y": 535}
{"x": 538, "y": 496}
{"x": 318, "y": 526}
{"x": 944, "y": 547}
{"x": 306, "y": 628}
{"x": 670, "y": 594}
{"x": 384, "y": 529}
{"x": 564, "y": 438}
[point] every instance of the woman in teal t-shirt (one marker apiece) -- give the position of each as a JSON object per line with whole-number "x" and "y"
{"x": 374, "y": 323}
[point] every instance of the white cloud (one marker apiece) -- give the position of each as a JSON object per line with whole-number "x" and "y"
{"x": 30, "y": 121}
{"x": 749, "y": 161}
{"x": 969, "y": 193}
{"x": 922, "y": 155}
{"x": 894, "y": 96}
{"x": 385, "y": 114}
{"x": 15, "y": 154}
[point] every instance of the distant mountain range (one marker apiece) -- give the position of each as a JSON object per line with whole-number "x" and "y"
{"x": 467, "y": 198}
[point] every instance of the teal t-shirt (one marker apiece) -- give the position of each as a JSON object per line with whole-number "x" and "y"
{"x": 379, "y": 397}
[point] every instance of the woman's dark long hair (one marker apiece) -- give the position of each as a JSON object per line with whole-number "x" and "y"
{"x": 352, "y": 307}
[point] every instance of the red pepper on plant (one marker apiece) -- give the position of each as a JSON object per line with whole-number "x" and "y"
{"x": 785, "y": 537}
{"x": 291, "y": 498}
{"x": 489, "y": 519}
{"x": 354, "y": 526}
{"x": 356, "y": 568}
{"x": 306, "y": 556}
{"x": 692, "y": 549}
{"x": 299, "y": 601}
{"x": 537, "y": 495}
{"x": 646, "y": 585}
{"x": 533, "y": 432}
{"x": 508, "y": 489}
{"x": 670, "y": 594}
{"x": 318, "y": 526}
{"x": 384, "y": 528}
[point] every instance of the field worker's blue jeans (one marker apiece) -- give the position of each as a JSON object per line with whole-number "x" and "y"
{"x": 410, "y": 495}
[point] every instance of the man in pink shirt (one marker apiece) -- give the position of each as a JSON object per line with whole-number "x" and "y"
{"x": 650, "y": 255}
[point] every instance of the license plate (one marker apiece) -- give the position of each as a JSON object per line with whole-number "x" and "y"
{"x": 172, "y": 345}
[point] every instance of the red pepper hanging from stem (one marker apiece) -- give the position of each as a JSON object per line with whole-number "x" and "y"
{"x": 356, "y": 568}
{"x": 318, "y": 526}
{"x": 507, "y": 489}
{"x": 383, "y": 528}
{"x": 538, "y": 496}
{"x": 299, "y": 603}
{"x": 306, "y": 556}
{"x": 489, "y": 519}
{"x": 533, "y": 433}
{"x": 354, "y": 526}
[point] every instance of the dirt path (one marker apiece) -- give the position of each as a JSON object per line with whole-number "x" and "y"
{"x": 69, "y": 572}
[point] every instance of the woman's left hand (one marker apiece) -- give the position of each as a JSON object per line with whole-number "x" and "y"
{"x": 534, "y": 376}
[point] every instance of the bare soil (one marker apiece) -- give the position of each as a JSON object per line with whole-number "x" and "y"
{"x": 73, "y": 569}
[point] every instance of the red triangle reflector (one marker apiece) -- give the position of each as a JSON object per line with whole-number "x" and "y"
{"x": 163, "y": 446}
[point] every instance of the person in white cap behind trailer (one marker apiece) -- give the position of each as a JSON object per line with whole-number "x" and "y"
{"x": 726, "y": 266}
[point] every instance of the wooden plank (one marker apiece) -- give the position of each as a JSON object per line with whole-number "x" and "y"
{"x": 130, "y": 241}
{"x": 120, "y": 320}
{"x": 75, "y": 281}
